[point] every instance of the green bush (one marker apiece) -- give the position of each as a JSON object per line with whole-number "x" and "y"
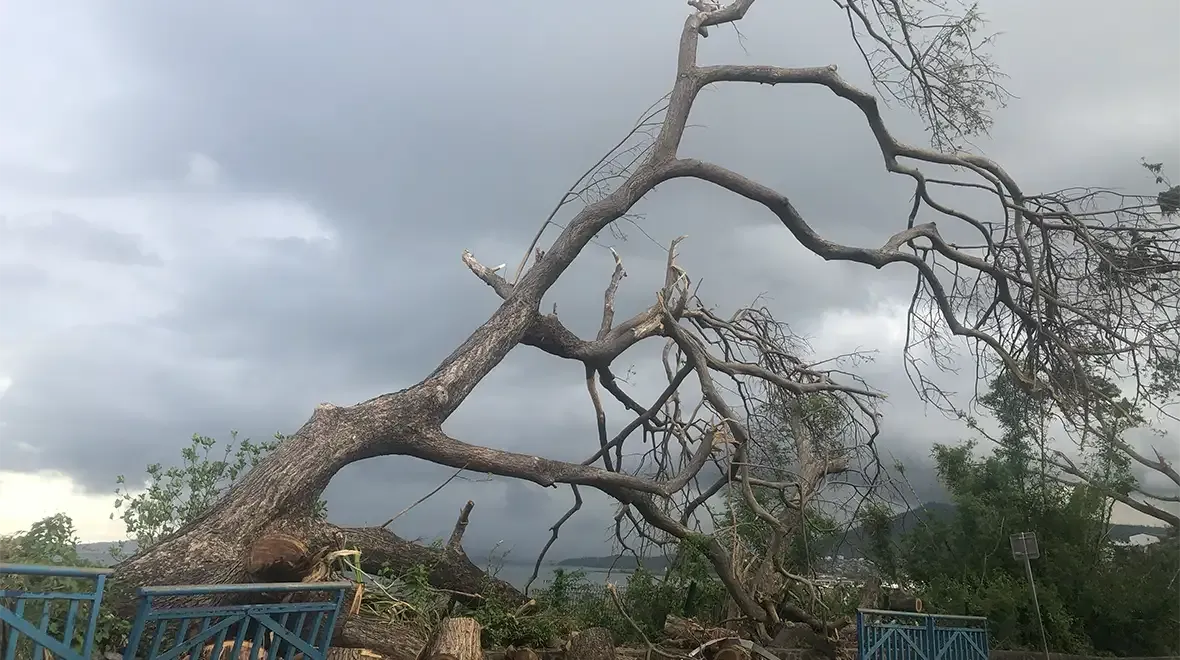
{"x": 53, "y": 542}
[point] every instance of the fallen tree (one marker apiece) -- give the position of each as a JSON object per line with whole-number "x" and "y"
{"x": 1007, "y": 290}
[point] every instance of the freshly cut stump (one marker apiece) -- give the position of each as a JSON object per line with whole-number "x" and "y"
{"x": 591, "y": 644}
{"x": 458, "y": 637}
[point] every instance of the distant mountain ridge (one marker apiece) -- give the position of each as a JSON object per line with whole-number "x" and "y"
{"x": 100, "y": 552}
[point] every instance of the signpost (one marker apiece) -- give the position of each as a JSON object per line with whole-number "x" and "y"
{"x": 1025, "y": 548}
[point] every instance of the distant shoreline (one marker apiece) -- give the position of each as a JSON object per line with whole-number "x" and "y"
{"x": 616, "y": 562}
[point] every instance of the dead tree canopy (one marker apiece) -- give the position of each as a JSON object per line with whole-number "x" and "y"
{"x": 1052, "y": 289}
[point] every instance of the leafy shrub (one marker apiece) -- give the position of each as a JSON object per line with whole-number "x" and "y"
{"x": 53, "y": 542}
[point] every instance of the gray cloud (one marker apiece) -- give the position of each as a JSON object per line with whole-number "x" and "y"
{"x": 359, "y": 149}
{"x": 73, "y": 237}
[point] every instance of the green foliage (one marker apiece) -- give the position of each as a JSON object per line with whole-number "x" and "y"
{"x": 1094, "y": 596}
{"x": 568, "y": 602}
{"x": 52, "y": 541}
{"x": 1169, "y": 198}
{"x": 876, "y": 520}
{"x": 176, "y": 495}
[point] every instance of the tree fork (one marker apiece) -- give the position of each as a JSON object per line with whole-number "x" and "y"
{"x": 279, "y": 494}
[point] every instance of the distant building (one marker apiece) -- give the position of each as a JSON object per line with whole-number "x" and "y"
{"x": 1139, "y": 540}
{"x": 1142, "y": 539}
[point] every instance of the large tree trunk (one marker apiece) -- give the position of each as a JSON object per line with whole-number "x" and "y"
{"x": 234, "y": 542}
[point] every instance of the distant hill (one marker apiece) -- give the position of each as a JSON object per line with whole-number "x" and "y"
{"x": 100, "y": 552}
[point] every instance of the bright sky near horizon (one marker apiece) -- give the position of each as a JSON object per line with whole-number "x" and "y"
{"x": 26, "y": 498}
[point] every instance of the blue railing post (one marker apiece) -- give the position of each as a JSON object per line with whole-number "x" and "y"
{"x": 860, "y": 635}
{"x": 931, "y": 644}
{"x": 92, "y": 623}
{"x": 137, "y": 625}
{"x": 39, "y": 636}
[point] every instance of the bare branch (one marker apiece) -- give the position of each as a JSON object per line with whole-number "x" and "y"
{"x": 425, "y": 497}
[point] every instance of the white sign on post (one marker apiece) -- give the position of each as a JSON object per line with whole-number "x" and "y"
{"x": 1024, "y": 545}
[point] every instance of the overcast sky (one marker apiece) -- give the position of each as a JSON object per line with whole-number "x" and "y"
{"x": 214, "y": 215}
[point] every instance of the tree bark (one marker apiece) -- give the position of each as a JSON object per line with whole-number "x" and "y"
{"x": 393, "y": 640}
{"x": 458, "y": 637}
{"x": 283, "y": 556}
{"x": 227, "y": 647}
{"x": 899, "y": 601}
{"x": 591, "y": 644}
{"x": 870, "y": 594}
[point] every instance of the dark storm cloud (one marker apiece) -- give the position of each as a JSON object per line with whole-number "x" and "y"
{"x": 414, "y": 131}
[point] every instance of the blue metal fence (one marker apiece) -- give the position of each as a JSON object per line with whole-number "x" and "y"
{"x": 885, "y": 635}
{"x": 228, "y": 632}
{"x": 55, "y": 596}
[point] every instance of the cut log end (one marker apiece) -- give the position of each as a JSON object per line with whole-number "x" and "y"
{"x": 457, "y": 639}
{"x": 278, "y": 558}
{"x": 903, "y": 602}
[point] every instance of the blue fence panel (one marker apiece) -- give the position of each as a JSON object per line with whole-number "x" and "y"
{"x": 885, "y": 635}
{"x": 958, "y": 637}
{"x": 57, "y": 598}
{"x": 257, "y": 630}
